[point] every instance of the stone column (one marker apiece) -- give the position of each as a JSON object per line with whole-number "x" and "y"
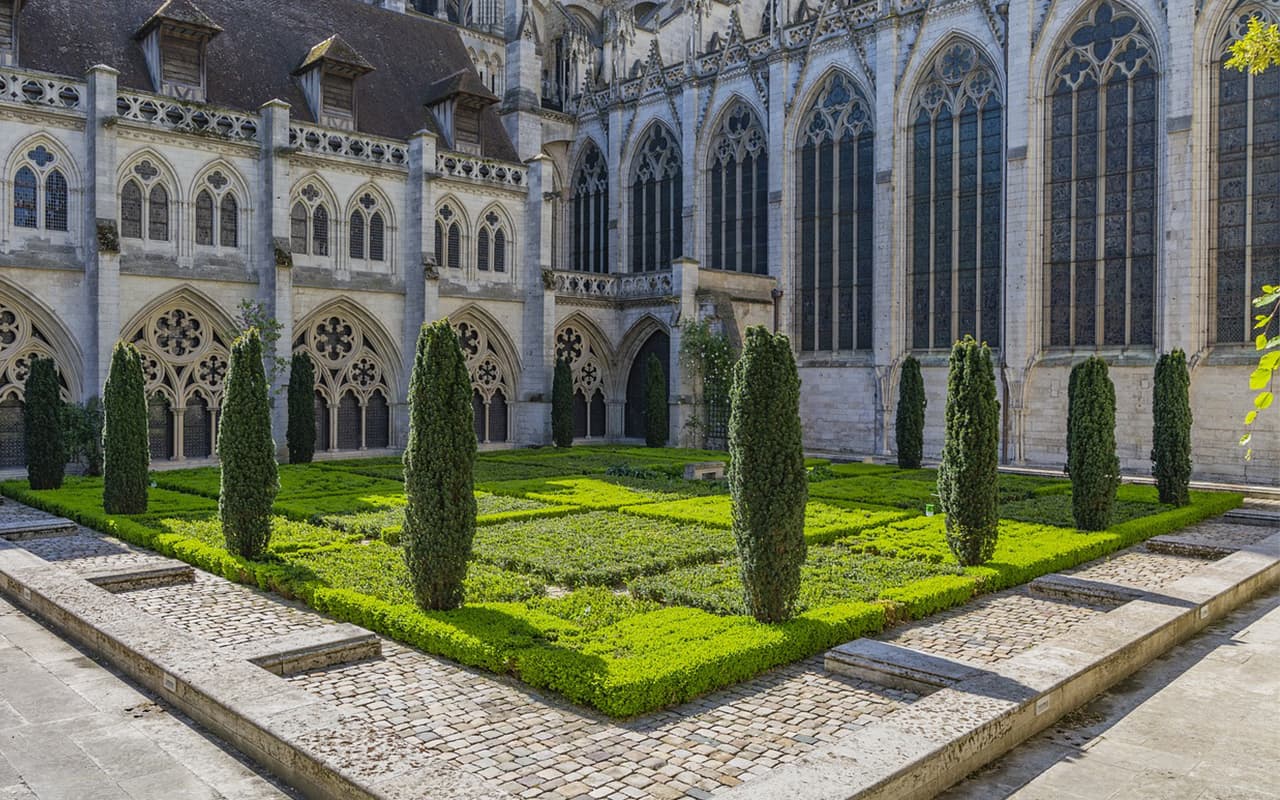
{"x": 888, "y": 292}
{"x": 271, "y": 251}
{"x": 684, "y": 292}
{"x": 692, "y": 216}
{"x": 418, "y": 257}
{"x": 531, "y": 410}
{"x": 618, "y": 177}
{"x": 781, "y": 249}
{"x": 522, "y": 100}
{"x": 1182, "y": 285}
{"x": 102, "y": 233}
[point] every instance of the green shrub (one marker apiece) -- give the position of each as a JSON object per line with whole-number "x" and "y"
{"x": 910, "y": 419}
{"x": 585, "y": 492}
{"x": 1091, "y": 444}
{"x": 968, "y": 483}
{"x": 249, "y": 479}
{"x": 82, "y": 433}
{"x": 823, "y": 521}
{"x": 655, "y": 403}
{"x": 767, "y": 476}
{"x": 42, "y": 425}
{"x": 440, "y": 518}
{"x": 301, "y": 433}
{"x": 1171, "y": 429}
{"x": 126, "y": 448}
{"x": 562, "y": 404}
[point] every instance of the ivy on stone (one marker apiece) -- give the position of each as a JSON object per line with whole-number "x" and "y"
{"x": 126, "y": 448}
{"x": 910, "y": 419}
{"x": 562, "y": 404}
{"x": 655, "y": 403}
{"x": 967, "y": 479}
{"x": 1092, "y": 462}
{"x": 42, "y": 425}
{"x": 439, "y": 463}
{"x": 767, "y": 478}
{"x": 301, "y": 433}
{"x": 1171, "y": 429}
{"x": 249, "y": 474}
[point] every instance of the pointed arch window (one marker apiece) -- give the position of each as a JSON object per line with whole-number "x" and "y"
{"x": 656, "y": 202}
{"x": 144, "y": 204}
{"x": 367, "y": 243}
{"x": 491, "y": 382}
{"x": 217, "y": 212}
{"x": 1246, "y": 243}
{"x": 589, "y": 212}
{"x": 351, "y": 384}
{"x": 491, "y": 244}
{"x": 955, "y": 202}
{"x": 309, "y": 223}
{"x": 738, "y": 193}
{"x": 448, "y": 237}
{"x": 1100, "y": 286}
{"x": 835, "y": 187}
{"x": 40, "y": 192}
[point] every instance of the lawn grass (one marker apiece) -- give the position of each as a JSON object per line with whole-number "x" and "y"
{"x": 597, "y": 521}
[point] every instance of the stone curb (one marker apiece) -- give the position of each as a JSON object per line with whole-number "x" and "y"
{"x": 302, "y": 739}
{"x": 925, "y": 748}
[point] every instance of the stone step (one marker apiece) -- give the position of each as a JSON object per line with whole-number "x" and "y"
{"x": 20, "y": 530}
{"x": 895, "y": 666}
{"x": 1263, "y": 503}
{"x": 1067, "y": 587}
{"x": 1265, "y": 517}
{"x": 147, "y": 576}
{"x": 1172, "y": 545}
{"x": 314, "y": 648}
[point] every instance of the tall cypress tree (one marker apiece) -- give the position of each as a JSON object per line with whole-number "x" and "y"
{"x": 439, "y": 462}
{"x": 301, "y": 433}
{"x": 126, "y": 448}
{"x": 655, "y": 403}
{"x": 967, "y": 478}
{"x": 767, "y": 478}
{"x": 42, "y": 425}
{"x": 249, "y": 476}
{"x": 910, "y": 420}
{"x": 1171, "y": 429}
{"x": 1091, "y": 444}
{"x": 562, "y": 404}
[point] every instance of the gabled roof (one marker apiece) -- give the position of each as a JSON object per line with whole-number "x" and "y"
{"x": 182, "y": 13}
{"x": 336, "y": 50}
{"x": 464, "y": 82}
{"x": 263, "y": 41}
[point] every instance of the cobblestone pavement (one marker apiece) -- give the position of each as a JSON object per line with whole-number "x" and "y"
{"x": 536, "y": 745}
{"x": 1227, "y": 534}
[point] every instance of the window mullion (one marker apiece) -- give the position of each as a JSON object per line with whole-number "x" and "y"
{"x": 1248, "y": 204}
{"x": 956, "y": 188}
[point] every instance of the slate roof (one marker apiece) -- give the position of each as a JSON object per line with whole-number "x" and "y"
{"x": 262, "y": 43}
{"x": 461, "y": 82}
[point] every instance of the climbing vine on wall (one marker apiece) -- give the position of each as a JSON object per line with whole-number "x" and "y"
{"x": 708, "y": 356}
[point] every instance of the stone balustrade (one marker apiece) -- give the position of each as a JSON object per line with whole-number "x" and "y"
{"x": 176, "y": 115}
{"x": 42, "y": 90}
{"x": 627, "y": 286}
{"x": 482, "y": 170}
{"x": 319, "y": 141}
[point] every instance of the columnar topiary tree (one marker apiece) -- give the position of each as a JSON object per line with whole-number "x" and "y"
{"x": 249, "y": 477}
{"x": 967, "y": 478}
{"x": 42, "y": 425}
{"x": 1091, "y": 444}
{"x": 655, "y": 403}
{"x": 126, "y": 449}
{"x": 767, "y": 476}
{"x": 1171, "y": 429}
{"x": 562, "y": 404}
{"x": 301, "y": 434}
{"x": 910, "y": 421}
{"x": 439, "y": 460}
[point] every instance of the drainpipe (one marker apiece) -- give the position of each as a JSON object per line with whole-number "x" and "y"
{"x": 776, "y": 294}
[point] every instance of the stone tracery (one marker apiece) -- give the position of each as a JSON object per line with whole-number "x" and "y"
{"x": 353, "y": 395}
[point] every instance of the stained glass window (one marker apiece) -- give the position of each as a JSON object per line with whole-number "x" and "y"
{"x": 482, "y": 250}
{"x": 836, "y": 228}
{"x": 956, "y": 175}
{"x": 204, "y": 218}
{"x": 656, "y": 202}
{"x": 377, "y": 237}
{"x": 491, "y": 244}
{"x": 738, "y": 227}
{"x": 25, "y": 210}
{"x": 229, "y": 221}
{"x": 55, "y": 201}
{"x": 499, "y": 251}
{"x": 356, "y": 245}
{"x": 589, "y": 214}
{"x": 1246, "y": 245}
{"x": 131, "y": 210}
{"x": 320, "y": 231}
{"x": 298, "y": 228}
{"x": 158, "y": 213}
{"x": 455, "y": 246}
{"x": 1100, "y": 279}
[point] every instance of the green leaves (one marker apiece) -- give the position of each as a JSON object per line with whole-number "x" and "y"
{"x": 562, "y": 404}
{"x": 249, "y": 479}
{"x": 655, "y": 399}
{"x": 909, "y": 427}
{"x": 301, "y": 434}
{"x": 1091, "y": 444}
{"x": 1261, "y": 378}
{"x": 968, "y": 487}
{"x": 1256, "y": 51}
{"x": 126, "y": 450}
{"x": 1171, "y": 428}
{"x": 42, "y": 425}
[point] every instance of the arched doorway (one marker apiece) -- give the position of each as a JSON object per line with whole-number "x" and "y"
{"x": 658, "y": 344}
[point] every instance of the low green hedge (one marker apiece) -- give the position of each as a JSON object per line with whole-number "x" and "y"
{"x": 824, "y": 521}
{"x": 577, "y": 491}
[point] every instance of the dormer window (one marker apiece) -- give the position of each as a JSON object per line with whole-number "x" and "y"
{"x": 457, "y": 103}
{"x": 329, "y": 74}
{"x": 174, "y": 40}
{"x": 9, "y": 31}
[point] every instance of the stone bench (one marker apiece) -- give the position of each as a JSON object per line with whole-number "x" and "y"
{"x": 704, "y": 471}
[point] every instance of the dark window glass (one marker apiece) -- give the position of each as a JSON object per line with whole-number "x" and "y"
{"x": 55, "y": 201}
{"x": 455, "y": 246}
{"x": 377, "y": 422}
{"x": 656, "y": 212}
{"x": 131, "y": 211}
{"x": 229, "y": 221}
{"x": 589, "y": 242}
{"x": 320, "y": 231}
{"x": 25, "y": 214}
{"x": 356, "y": 245}
{"x": 377, "y": 237}
{"x": 499, "y": 251}
{"x": 498, "y": 417}
{"x": 482, "y": 250}
{"x": 738, "y": 225}
{"x": 204, "y": 218}
{"x": 298, "y": 228}
{"x": 158, "y": 214}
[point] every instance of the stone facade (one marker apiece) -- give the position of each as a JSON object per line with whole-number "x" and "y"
{"x": 576, "y": 76}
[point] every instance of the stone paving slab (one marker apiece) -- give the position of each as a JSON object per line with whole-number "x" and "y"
{"x": 896, "y": 666}
{"x": 313, "y": 648}
{"x": 18, "y": 530}
{"x": 1068, "y": 587}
